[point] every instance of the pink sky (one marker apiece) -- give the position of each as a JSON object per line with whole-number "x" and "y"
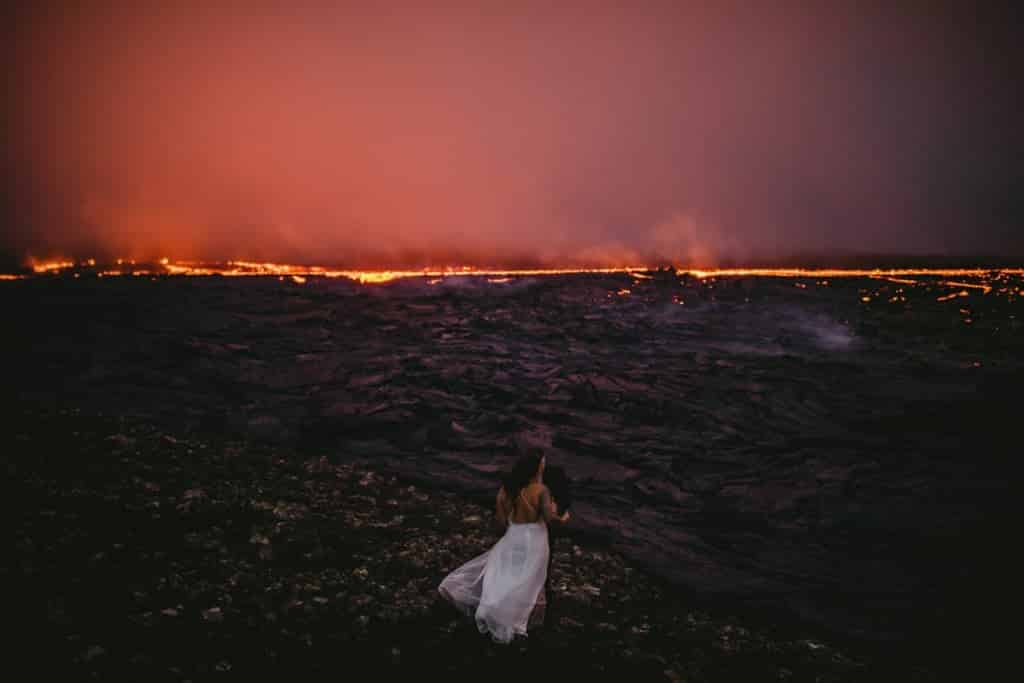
{"x": 401, "y": 133}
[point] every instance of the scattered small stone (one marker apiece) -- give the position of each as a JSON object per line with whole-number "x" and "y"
{"x": 93, "y": 652}
{"x": 351, "y": 533}
{"x": 214, "y": 614}
{"x": 259, "y": 539}
{"x": 290, "y": 511}
{"x": 121, "y": 441}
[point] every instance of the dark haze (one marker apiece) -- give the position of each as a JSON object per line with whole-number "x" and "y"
{"x": 411, "y": 134}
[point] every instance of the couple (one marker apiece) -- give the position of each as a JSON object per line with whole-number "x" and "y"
{"x": 503, "y": 589}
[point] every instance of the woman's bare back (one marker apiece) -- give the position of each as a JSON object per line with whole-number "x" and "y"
{"x": 529, "y": 504}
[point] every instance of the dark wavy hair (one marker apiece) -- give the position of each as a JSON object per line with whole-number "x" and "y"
{"x": 521, "y": 473}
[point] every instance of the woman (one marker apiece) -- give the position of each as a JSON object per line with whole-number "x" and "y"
{"x": 503, "y": 589}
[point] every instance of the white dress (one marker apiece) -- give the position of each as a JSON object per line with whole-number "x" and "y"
{"x": 503, "y": 589}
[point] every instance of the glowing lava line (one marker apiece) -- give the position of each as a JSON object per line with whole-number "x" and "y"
{"x": 299, "y": 273}
{"x": 852, "y": 272}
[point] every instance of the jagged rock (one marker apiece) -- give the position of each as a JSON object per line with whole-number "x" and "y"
{"x": 698, "y": 447}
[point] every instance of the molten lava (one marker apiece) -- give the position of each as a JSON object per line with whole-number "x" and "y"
{"x": 299, "y": 273}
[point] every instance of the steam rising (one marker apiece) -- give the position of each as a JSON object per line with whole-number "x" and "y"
{"x": 405, "y": 136}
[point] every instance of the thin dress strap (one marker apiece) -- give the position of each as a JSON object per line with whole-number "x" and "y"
{"x": 529, "y": 505}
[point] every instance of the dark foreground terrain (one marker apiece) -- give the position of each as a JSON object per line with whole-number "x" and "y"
{"x": 776, "y": 477}
{"x": 150, "y": 557}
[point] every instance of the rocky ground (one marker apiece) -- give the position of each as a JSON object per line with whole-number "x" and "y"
{"x": 141, "y": 555}
{"x": 838, "y": 454}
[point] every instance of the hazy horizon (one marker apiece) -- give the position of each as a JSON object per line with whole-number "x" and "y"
{"x": 401, "y": 135}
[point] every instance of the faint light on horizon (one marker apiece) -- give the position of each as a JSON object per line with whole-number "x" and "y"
{"x": 51, "y": 266}
{"x": 166, "y": 266}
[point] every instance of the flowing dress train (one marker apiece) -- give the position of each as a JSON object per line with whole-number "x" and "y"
{"x": 503, "y": 589}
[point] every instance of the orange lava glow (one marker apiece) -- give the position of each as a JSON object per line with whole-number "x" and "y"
{"x": 899, "y": 280}
{"x": 852, "y": 272}
{"x": 251, "y": 268}
{"x": 985, "y": 288}
{"x": 51, "y": 266}
{"x": 300, "y": 273}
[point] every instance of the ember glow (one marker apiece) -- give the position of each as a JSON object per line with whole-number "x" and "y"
{"x": 52, "y": 266}
{"x": 985, "y": 280}
{"x": 299, "y": 273}
{"x": 855, "y": 272}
